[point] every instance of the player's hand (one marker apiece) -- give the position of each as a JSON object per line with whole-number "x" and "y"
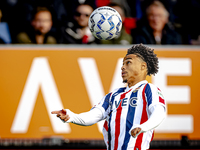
{"x": 135, "y": 131}
{"x": 62, "y": 114}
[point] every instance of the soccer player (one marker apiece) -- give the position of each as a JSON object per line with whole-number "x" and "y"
{"x": 131, "y": 113}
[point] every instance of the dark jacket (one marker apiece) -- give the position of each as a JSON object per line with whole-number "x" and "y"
{"x": 69, "y": 35}
{"x": 144, "y": 35}
{"x": 28, "y": 37}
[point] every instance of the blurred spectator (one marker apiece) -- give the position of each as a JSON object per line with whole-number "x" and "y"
{"x": 71, "y": 5}
{"x": 10, "y": 19}
{"x": 5, "y": 37}
{"x": 138, "y": 7}
{"x": 157, "y": 28}
{"x": 132, "y": 8}
{"x": 77, "y": 31}
{"x": 123, "y": 38}
{"x": 57, "y": 8}
{"x": 39, "y": 33}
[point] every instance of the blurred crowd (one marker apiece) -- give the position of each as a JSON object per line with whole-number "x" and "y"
{"x": 66, "y": 21}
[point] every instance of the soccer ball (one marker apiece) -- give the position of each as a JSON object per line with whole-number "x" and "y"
{"x": 105, "y": 23}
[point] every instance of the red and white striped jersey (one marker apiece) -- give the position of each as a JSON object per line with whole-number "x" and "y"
{"x": 127, "y": 107}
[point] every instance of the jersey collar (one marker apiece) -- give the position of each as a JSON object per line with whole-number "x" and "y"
{"x": 136, "y": 85}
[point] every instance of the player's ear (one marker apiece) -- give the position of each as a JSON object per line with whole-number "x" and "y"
{"x": 143, "y": 66}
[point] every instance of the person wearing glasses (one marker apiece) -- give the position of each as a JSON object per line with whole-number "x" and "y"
{"x": 77, "y": 31}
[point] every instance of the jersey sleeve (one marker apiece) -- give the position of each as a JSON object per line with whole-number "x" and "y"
{"x": 85, "y": 119}
{"x": 156, "y": 106}
{"x": 97, "y": 113}
{"x": 154, "y": 96}
{"x": 103, "y": 105}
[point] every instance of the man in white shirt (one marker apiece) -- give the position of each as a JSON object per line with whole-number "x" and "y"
{"x": 131, "y": 113}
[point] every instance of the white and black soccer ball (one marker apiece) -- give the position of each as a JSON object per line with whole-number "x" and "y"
{"x": 105, "y": 23}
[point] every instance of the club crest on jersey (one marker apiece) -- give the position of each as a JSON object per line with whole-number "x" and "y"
{"x": 133, "y": 101}
{"x": 136, "y": 89}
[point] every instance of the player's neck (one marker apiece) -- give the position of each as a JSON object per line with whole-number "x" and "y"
{"x": 133, "y": 81}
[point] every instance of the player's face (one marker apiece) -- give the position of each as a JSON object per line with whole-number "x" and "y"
{"x": 82, "y": 15}
{"x": 133, "y": 69}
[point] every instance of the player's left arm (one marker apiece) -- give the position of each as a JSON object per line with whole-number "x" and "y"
{"x": 157, "y": 116}
{"x": 157, "y": 109}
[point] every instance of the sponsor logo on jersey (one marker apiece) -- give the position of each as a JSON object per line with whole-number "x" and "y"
{"x": 133, "y": 101}
{"x": 122, "y": 101}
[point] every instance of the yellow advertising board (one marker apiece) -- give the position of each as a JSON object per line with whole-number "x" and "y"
{"x": 37, "y": 80}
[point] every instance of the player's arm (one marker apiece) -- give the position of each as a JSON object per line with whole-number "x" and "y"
{"x": 157, "y": 108}
{"x": 85, "y": 119}
{"x": 97, "y": 113}
{"x": 158, "y": 113}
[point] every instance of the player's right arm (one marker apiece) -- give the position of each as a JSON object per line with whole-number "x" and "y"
{"x": 91, "y": 117}
{"x": 85, "y": 119}
{"x": 62, "y": 114}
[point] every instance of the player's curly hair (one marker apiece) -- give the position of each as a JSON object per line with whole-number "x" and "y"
{"x": 147, "y": 55}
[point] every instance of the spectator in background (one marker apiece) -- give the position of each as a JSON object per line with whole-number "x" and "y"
{"x": 41, "y": 25}
{"x": 73, "y": 5}
{"x": 10, "y": 20}
{"x": 77, "y": 31}
{"x": 157, "y": 28}
{"x": 5, "y": 37}
{"x": 124, "y": 38}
